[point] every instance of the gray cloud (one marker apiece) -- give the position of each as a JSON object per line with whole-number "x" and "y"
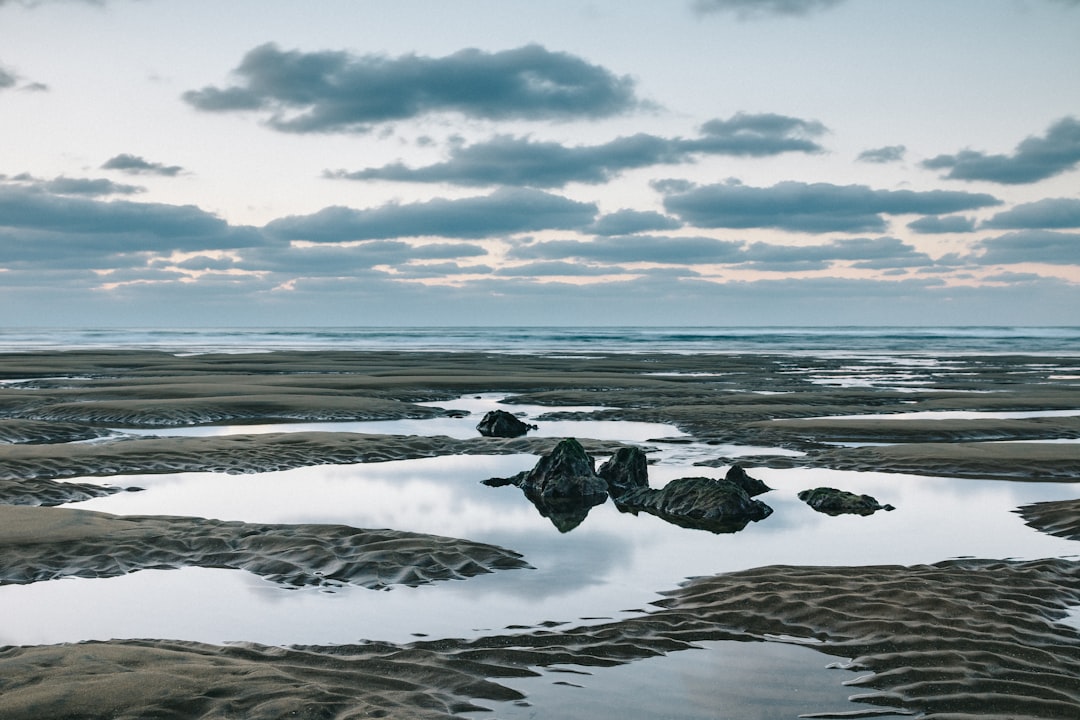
{"x": 339, "y": 92}
{"x": 887, "y": 154}
{"x": 135, "y": 165}
{"x": 557, "y": 268}
{"x": 936, "y": 224}
{"x": 869, "y": 253}
{"x": 507, "y": 160}
{"x": 1043, "y": 214}
{"x": 505, "y": 211}
{"x": 7, "y": 78}
{"x": 813, "y": 208}
{"x": 37, "y": 225}
{"x": 87, "y": 187}
{"x": 633, "y": 248}
{"x": 1036, "y": 158}
{"x": 337, "y": 260}
{"x": 628, "y": 222}
{"x": 1036, "y": 246}
{"x": 866, "y": 253}
{"x": 437, "y": 270}
{"x": 749, "y": 9}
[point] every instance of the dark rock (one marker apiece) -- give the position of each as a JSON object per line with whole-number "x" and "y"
{"x": 626, "y": 470}
{"x": 499, "y": 423}
{"x": 563, "y": 485}
{"x": 567, "y": 473}
{"x": 838, "y": 502}
{"x": 720, "y": 506}
{"x": 752, "y": 486}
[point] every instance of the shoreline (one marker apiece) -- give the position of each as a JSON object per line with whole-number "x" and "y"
{"x": 56, "y": 410}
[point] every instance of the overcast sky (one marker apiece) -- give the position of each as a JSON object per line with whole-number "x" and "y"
{"x": 502, "y": 162}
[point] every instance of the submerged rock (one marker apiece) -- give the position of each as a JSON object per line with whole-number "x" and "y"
{"x": 626, "y": 470}
{"x": 499, "y": 423}
{"x": 563, "y": 485}
{"x": 700, "y": 503}
{"x": 752, "y": 486}
{"x": 719, "y": 506}
{"x": 840, "y": 502}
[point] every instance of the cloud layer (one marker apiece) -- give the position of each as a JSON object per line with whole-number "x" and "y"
{"x": 1035, "y": 159}
{"x": 811, "y": 208}
{"x": 333, "y": 91}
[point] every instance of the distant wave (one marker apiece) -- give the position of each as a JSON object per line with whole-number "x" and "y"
{"x": 839, "y": 341}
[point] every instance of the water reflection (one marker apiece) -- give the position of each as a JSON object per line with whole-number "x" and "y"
{"x": 612, "y": 563}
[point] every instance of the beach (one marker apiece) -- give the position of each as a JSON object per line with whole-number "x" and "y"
{"x": 932, "y": 609}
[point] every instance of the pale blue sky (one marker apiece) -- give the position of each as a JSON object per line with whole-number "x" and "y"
{"x": 506, "y": 162}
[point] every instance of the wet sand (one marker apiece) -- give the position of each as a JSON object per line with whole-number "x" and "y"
{"x": 977, "y": 638}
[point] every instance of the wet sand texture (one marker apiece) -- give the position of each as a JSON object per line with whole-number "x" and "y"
{"x": 236, "y": 454}
{"x": 950, "y": 641}
{"x": 1061, "y": 517}
{"x": 960, "y": 639}
{"x": 48, "y": 543}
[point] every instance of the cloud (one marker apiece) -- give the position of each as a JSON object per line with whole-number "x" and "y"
{"x": 1029, "y": 246}
{"x": 7, "y": 78}
{"x": 812, "y": 208}
{"x": 87, "y": 187}
{"x": 749, "y": 9}
{"x": 866, "y": 253}
{"x": 1035, "y": 158}
{"x": 557, "y": 268}
{"x": 936, "y": 224}
{"x": 628, "y": 222}
{"x": 1043, "y": 214}
{"x": 331, "y": 91}
{"x": 632, "y": 249}
{"x": 37, "y": 225}
{"x": 135, "y": 165}
{"x": 338, "y": 260}
{"x": 505, "y": 211}
{"x": 887, "y": 154}
{"x": 521, "y": 161}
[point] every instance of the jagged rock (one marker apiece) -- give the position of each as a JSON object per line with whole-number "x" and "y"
{"x": 499, "y": 423}
{"x": 720, "y": 506}
{"x": 838, "y": 502}
{"x": 626, "y": 470}
{"x": 563, "y": 485}
{"x": 752, "y": 486}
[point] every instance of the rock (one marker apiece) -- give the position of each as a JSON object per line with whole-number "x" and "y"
{"x": 499, "y": 423}
{"x": 563, "y": 485}
{"x": 626, "y": 470}
{"x": 720, "y": 506}
{"x": 567, "y": 473}
{"x": 752, "y": 486}
{"x": 838, "y": 502}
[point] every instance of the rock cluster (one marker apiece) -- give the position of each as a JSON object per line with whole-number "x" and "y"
{"x": 564, "y": 486}
{"x": 720, "y": 506}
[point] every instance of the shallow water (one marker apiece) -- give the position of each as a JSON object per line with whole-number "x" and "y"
{"x": 456, "y": 427}
{"x": 722, "y": 680}
{"x": 610, "y": 567}
{"x": 612, "y": 562}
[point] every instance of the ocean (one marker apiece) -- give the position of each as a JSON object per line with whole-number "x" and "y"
{"x": 835, "y": 341}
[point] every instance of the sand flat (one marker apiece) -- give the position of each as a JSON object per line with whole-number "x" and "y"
{"x": 959, "y": 638}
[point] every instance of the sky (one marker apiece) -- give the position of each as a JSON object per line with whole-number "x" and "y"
{"x": 175, "y": 163}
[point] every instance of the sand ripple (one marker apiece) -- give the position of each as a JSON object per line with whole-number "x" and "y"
{"x": 958, "y": 639}
{"x": 1060, "y": 517}
{"x": 250, "y": 453}
{"x": 47, "y": 543}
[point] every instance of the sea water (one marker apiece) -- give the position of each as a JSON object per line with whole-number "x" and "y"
{"x": 828, "y": 341}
